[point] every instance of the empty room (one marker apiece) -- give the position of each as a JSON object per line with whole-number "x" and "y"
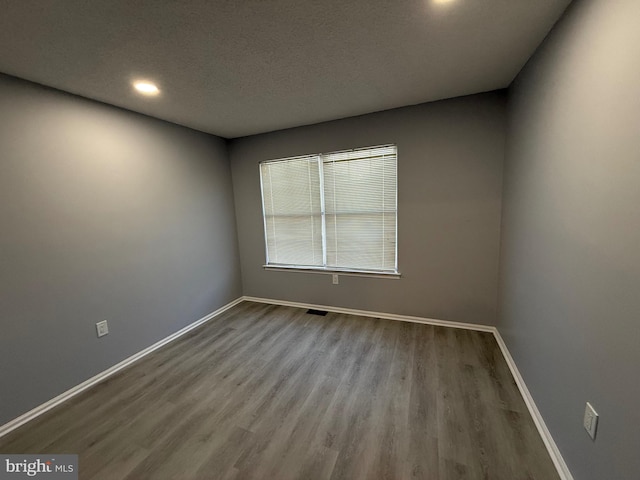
{"x": 320, "y": 239}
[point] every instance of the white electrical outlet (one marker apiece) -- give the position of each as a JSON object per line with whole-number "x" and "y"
{"x": 102, "y": 328}
{"x": 590, "y": 421}
{"x": 335, "y": 279}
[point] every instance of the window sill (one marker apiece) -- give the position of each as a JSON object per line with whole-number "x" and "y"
{"x": 326, "y": 271}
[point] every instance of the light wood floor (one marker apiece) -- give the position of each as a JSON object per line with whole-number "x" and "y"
{"x": 268, "y": 392}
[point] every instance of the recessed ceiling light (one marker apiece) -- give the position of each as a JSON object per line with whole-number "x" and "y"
{"x": 146, "y": 88}
{"x": 442, "y": 1}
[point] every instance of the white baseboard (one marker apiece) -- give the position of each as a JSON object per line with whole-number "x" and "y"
{"x": 72, "y": 392}
{"x": 549, "y": 443}
{"x": 552, "y": 448}
{"x": 367, "y": 313}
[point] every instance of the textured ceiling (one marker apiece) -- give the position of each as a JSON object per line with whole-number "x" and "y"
{"x": 235, "y": 68}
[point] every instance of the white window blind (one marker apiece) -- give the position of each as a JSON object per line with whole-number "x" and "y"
{"x": 335, "y": 211}
{"x": 292, "y": 211}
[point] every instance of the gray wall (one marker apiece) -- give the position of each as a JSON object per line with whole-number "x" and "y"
{"x": 570, "y": 276}
{"x": 450, "y": 159}
{"x": 105, "y": 214}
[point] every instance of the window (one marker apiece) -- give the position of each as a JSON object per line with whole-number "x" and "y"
{"x": 334, "y": 211}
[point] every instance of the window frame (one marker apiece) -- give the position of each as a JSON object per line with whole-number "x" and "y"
{"x": 347, "y": 271}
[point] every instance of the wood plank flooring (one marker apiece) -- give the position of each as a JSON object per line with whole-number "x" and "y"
{"x": 270, "y": 392}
